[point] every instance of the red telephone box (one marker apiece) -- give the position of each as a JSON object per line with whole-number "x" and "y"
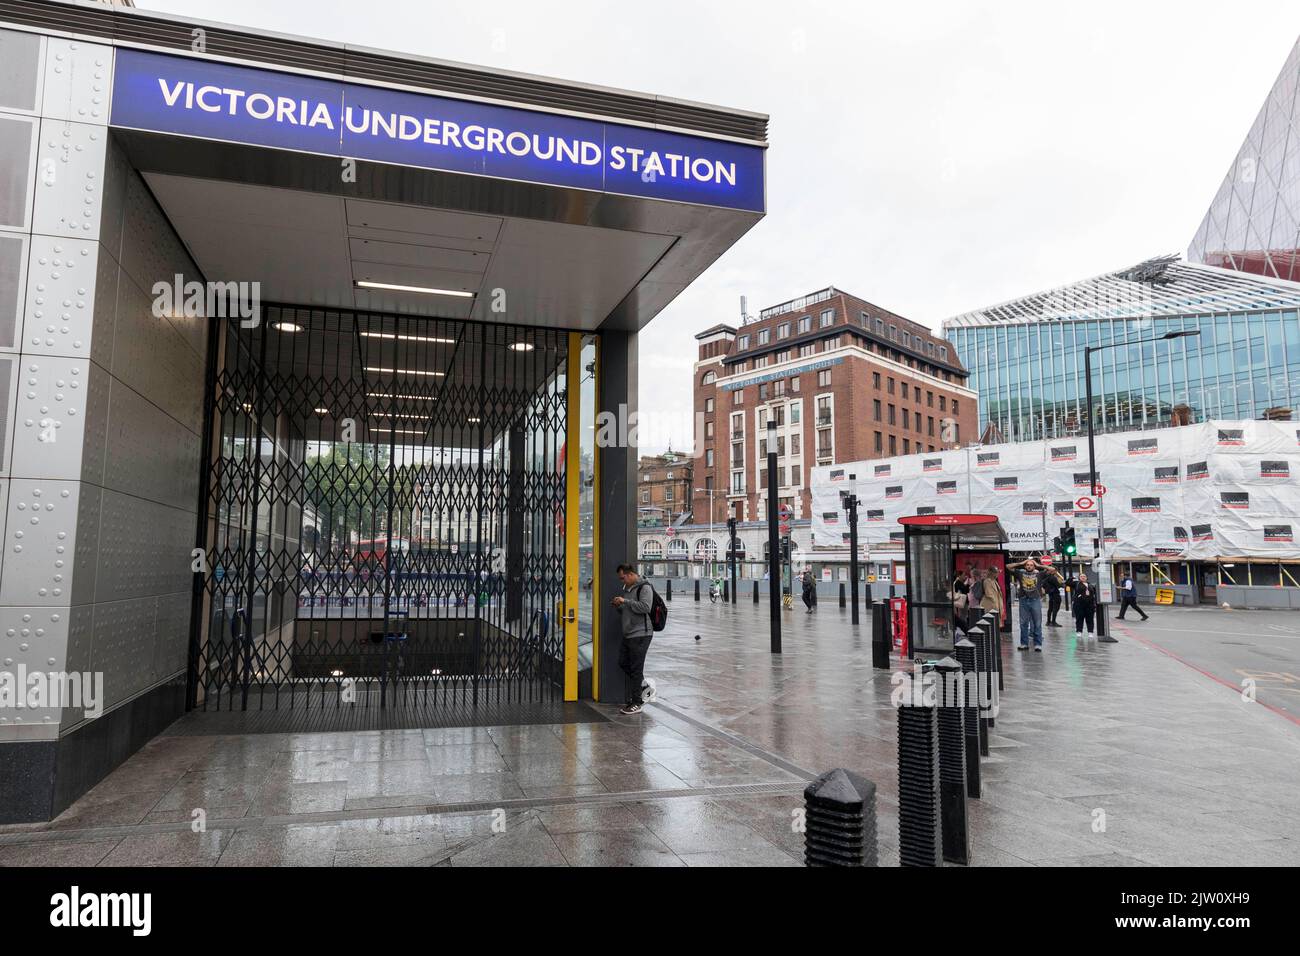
{"x": 898, "y": 621}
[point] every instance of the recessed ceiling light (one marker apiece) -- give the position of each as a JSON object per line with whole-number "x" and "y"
{"x": 521, "y": 346}
{"x": 384, "y": 416}
{"x": 286, "y": 326}
{"x": 425, "y": 290}
{"x": 322, "y": 411}
{"x": 414, "y": 398}
{"x": 409, "y": 338}
{"x": 473, "y": 421}
{"x": 402, "y": 371}
{"x": 400, "y": 431}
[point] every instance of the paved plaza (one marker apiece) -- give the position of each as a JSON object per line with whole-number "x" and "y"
{"x": 1126, "y": 754}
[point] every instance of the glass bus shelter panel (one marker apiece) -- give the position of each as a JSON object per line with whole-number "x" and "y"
{"x": 385, "y": 513}
{"x": 929, "y": 589}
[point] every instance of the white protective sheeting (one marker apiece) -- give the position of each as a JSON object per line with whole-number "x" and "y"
{"x": 1217, "y": 489}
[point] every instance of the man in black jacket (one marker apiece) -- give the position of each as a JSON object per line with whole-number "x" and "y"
{"x": 634, "y": 611}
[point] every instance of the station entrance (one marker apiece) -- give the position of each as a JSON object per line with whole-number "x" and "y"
{"x": 387, "y": 513}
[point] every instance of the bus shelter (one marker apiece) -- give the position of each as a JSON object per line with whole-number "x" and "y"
{"x": 936, "y": 546}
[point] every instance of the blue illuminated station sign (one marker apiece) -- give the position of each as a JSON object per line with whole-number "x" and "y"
{"x": 238, "y": 104}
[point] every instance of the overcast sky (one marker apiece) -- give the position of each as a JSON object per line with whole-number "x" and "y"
{"x": 930, "y": 157}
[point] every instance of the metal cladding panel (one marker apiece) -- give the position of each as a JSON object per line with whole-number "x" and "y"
{"x": 4, "y": 514}
{"x": 94, "y": 444}
{"x": 122, "y": 646}
{"x": 151, "y": 357}
{"x": 78, "y": 80}
{"x": 69, "y": 179}
{"x": 9, "y": 366}
{"x": 151, "y": 251}
{"x": 85, "y": 550}
{"x": 13, "y": 283}
{"x": 62, "y": 282}
{"x": 34, "y": 639}
{"x": 19, "y": 139}
{"x": 22, "y": 53}
{"x": 50, "y": 417}
{"x": 149, "y": 454}
{"x": 118, "y": 173}
{"x": 144, "y": 548}
{"x": 40, "y": 541}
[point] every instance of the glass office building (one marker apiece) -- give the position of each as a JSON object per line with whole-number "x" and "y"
{"x": 1026, "y": 357}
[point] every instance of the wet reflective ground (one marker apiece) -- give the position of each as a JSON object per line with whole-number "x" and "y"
{"x": 1102, "y": 755}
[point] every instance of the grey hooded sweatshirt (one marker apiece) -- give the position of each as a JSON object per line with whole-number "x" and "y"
{"x": 635, "y": 609}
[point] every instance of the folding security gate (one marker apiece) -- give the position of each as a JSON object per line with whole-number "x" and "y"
{"x": 384, "y": 521}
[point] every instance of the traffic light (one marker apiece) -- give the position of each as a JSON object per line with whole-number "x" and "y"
{"x": 1057, "y": 547}
{"x": 785, "y": 550}
{"x": 1068, "y": 546}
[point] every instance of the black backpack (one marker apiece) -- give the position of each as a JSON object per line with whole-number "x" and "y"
{"x": 658, "y": 609}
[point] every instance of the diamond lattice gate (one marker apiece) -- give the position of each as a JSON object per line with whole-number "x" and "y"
{"x": 384, "y": 516}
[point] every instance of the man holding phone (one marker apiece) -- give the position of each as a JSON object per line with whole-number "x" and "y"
{"x": 634, "y": 608}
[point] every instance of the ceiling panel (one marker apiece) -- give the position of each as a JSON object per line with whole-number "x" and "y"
{"x": 308, "y": 248}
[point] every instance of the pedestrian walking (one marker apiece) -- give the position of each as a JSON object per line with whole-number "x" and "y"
{"x": 634, "y": 606}
{"x": 988, "y": 592}
{"x": 1128, "y": 597}
{"x": 809, "y": 591}
{"x": 1053, "y": 582}
{"x": 1029, "y": 592}
{"x": 1083, "y": 604}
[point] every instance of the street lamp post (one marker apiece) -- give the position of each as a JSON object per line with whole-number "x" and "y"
{"x": 1104, "y": 635}
{"x": 709, "y": 492}
{"x": 773, "y": 540}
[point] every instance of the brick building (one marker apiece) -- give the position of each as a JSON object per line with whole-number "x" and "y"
{"x": 844, "y": 380}
{"x": 663, "y": 488}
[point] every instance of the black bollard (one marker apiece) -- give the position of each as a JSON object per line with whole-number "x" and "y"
{"x": 983, "y": 699}
{"x": 964, "y": 651}
{"x": 726, "y": 592}
{"x": 843, "y": 601}
{"x": 669, "y": 595}
{"x": 993, "y": 664}
{"x": 866, "y": 590}
{"x": 880, "y": 636}
{"x": 840, "y": 820}
{"x": 920, "y": 842}
{"x": 755, "y": 592}
{"x": 952, "y": 761}
{"x": 697, "y": 589}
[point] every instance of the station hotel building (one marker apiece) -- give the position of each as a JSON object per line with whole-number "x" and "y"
{"x": 844, "y": 380}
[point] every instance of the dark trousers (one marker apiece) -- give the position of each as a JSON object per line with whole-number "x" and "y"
{"x": 631, "y": 660}
{"x": 1053, "y": 607}
{"x": 1083, "y": 614}
{"x": 1130, "y": 601}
